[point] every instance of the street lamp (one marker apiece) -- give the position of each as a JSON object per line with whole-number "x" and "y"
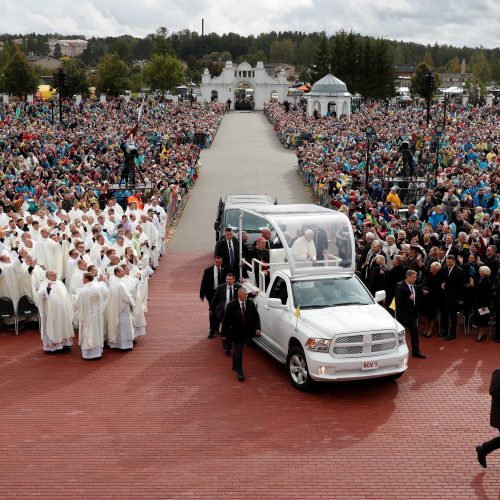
{"x": 370, "y": 132}
{"x": 438, "y": 129}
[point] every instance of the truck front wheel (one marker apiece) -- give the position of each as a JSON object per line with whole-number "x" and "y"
{"x": 298, "y": 372}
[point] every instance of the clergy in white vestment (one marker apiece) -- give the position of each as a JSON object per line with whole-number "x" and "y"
{"x": 89, "y": 311}
{"x": 77, "y": 278}
{"x": 48, "y": 253}
{"x": 56, "y": 314}
{"x": 134, "y": 284}
{"x": 304, "y": 249}
{"x": 71, "y": 265}
{"x": 120, "y": 329}
{"x": 29, "y": 276}
{"x": 9, "y": 283}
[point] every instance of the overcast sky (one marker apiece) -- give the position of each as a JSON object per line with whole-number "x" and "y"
{"x": 456, "y": 22}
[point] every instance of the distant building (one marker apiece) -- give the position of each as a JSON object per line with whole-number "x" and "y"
{"x": 329, "y": 96}
{"x": 45, "y": 62}
{"x": 70, "y": 48}
{"x": 404, "y": 69}
{"x": 289, "y": 71}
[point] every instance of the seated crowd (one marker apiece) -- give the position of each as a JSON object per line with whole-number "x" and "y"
{"x": 79, "y": 250}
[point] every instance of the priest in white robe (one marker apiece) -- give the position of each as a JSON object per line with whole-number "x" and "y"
{"x": 89, "y": 310}
{"x": 120, "y": 329}
{"x": 56, "y": 314}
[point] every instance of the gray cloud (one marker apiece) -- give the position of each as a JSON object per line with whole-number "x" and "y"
{"x": 455, "y": 22}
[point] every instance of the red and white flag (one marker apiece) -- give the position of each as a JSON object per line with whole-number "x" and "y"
{"x": 135, "y": 128}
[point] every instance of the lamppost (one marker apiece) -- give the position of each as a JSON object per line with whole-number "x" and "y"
{"x": 370, "y": 132}
{"x": 438, "y": 129}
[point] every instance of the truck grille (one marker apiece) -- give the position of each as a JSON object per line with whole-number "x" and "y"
{"x": 365, "y": 344}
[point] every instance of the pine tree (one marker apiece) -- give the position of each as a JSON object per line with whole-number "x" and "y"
{"x": 321, "y": 65}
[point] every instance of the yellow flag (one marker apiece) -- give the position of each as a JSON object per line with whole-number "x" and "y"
{"x": 393, "y": 305}
{"x": 297, "y": 312}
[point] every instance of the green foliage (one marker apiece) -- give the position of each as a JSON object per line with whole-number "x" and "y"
{"x": 57, "y": 50}
{"x": 19, "y": 77}
{"x": 161, "y": 42}
{"x": 474, "y": 88}
{"x": 163, "y": 72}
{"x": 321, "y": 64}
{"x": 75, "y": 81}
{"x": 418, "y": 81}
{"x": 112, "y": 75}
{"x": 481, "y": 67}
{"x": 453, "y": 65}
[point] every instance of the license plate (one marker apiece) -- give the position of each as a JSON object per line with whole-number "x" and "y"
{"x": 369, "y": 365}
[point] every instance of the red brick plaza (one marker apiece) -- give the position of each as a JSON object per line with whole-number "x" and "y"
{"x": 170, "y": 420}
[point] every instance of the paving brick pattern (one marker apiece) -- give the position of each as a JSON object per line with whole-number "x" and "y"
{"x": 170, "y": 421}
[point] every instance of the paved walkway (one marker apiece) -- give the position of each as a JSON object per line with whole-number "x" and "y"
{"x": 169, "y": 420}
{"x": 246, "y": 157}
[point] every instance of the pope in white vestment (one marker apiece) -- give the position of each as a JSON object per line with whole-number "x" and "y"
{"x": 120, "y": 329}
{"x": 304, "y": 249}
{"x": 56, "y": 314}
{"x": 89, "y": 310}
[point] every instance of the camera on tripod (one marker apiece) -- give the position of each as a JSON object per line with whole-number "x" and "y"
{"x": 407, "y": 157}
{"x": 130, "y": 168}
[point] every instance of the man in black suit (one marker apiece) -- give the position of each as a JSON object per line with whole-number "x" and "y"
{"x": 224, "y": 294}
{"x": 407, "y": 298}
{"x": 449, "y": 246}
{"x": 228, "y": 248}
{"x": 213, "y": 276}
{"x": 394, "y": 276}
{"x": 453, "y": 283}
{"x": 241, "y": 322}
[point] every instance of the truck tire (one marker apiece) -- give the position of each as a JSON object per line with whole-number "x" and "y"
{"x": 298, "y": 372}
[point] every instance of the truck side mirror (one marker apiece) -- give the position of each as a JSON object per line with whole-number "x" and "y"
{"x": 380, "y": 296}
{"x": 275, "y": 304}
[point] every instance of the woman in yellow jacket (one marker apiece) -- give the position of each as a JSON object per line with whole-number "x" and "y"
{"x": 394, "y": 198}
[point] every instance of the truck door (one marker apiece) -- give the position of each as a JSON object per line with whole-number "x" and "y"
{"x": 280, "y": 319}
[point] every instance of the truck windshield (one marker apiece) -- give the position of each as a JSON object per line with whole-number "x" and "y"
{"x": 251, "y": 223}
{"x": 331, "y": 292}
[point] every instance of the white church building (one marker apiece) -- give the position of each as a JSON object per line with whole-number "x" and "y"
{"x": 329, "y": 95}
{"x": 241, "y": 80}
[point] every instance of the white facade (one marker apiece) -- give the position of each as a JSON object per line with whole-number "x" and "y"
{"x": 329, "y": 95}
{"x": 233, "y": 77}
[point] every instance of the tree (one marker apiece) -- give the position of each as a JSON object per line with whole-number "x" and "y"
{"x": 163, "y": 72}
{"x": 453, "y": 65}
{"x": 57, "y": 50}
{"x": 419, "y": 82}
{"x": 475, "y": 89}
{"x": 321, "y": 64}
{"x": 19, "y": 77}
{"x": 75, "y": 79}
{"x": 161, "y": 42}
{"x": 112, "y": 75}
{"x": 428, "y": 60}
{"x": 481, "y": 67}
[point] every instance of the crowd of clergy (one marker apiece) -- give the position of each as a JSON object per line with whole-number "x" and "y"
{"x": 86, "y": 270}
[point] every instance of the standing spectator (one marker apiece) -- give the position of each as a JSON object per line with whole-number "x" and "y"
{"x": 431, "y": 297}
{"x": 452, "y": 283}
{"x": 407, "y": 310}
{"x": 482, "y": 302}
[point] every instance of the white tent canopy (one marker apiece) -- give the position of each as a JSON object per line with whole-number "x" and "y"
{"x": 453, "y": 90}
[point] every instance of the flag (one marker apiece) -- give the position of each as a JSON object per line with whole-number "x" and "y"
{"x": 297, "y": 312}
{"x": 393, "y": 305}
{"x": 135, "y": 128}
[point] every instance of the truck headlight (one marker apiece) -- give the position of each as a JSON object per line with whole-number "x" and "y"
{"x": 402, "y": 337}
{"x": 318, "y": 345}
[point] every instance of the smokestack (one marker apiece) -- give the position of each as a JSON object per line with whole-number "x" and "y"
{"x": 462, "y": 70}
{"x": 203, "y": 30}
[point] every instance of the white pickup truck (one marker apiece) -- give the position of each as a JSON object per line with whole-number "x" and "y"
{"x": 317, "y": 317}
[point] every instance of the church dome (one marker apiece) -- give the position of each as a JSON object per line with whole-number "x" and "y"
{"x": 328, "y": 85}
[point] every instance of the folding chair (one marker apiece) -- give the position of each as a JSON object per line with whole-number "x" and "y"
{"x": 7, "y": 311}
{"x": 26, "y": 308}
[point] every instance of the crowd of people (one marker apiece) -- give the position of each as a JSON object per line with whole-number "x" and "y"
{"x": 447, "y": 231}
{"x": 76, "y": 239}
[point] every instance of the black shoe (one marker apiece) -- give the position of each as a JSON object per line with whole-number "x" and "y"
{"x": 441, "y": 335}
{"x": 418, "y": 354}
{"x": 497, "y": 341}
{"x": 241, "y": 378}
{"x": 481, "y": 456}
{"x": 450, "y": 337}
{"x": 228, "y": 353}
{"x": 211, "y": 335}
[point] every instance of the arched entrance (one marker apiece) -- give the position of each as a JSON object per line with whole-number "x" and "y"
{"x": 244, "y": 98}
{"x": 332, "y": 108}
{"x": 214, "y": 95}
